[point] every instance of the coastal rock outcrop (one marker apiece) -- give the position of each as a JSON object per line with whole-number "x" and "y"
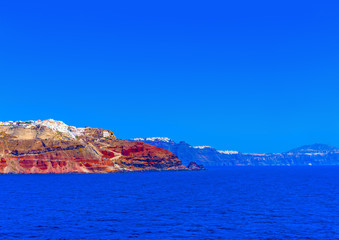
{"x": 195, "y": 166}
{"x": 53, "y": 147}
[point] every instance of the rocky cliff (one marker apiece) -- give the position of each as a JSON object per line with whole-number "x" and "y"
{"x": 316, "y": 154}
{"x": 53, "y": 147}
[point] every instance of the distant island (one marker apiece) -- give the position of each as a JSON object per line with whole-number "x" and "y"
{"x": 51, "y": 146}
{"x": 316, "y": 154}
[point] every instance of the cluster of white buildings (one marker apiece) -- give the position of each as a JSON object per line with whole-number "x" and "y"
{"x": 222, "y": 152}
{"x": 153, "y": 139}
{"x": 54, "y": 125}
{"x": 202, "y": 147}
{"x": 228, "y": 152}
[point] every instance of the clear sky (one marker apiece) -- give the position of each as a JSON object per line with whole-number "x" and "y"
{"x": 254, "y": 76}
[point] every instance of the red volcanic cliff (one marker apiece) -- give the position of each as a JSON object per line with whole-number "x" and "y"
{"x": 53, "y": 147}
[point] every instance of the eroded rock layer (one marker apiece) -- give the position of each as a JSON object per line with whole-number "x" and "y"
{"x": 53, "y": 147}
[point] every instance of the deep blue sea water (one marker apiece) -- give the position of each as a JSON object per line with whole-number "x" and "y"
{"x": 227, "y": 203}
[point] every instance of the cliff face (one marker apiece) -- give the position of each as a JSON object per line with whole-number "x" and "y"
{"x": 207, "y": 156}
{"x": 53, "y": 147}
{"x": 316, "y": 154}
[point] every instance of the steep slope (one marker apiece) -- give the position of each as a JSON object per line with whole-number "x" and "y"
{"x": 317, "y": 154}
{"x": 53, "y": 147}
{"x": 205, "y": 155}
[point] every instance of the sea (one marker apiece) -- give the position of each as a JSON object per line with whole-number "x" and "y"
{"x": 220, "y": 203}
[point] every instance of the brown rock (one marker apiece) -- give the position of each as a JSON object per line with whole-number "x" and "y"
{"x": 40, "y": 149}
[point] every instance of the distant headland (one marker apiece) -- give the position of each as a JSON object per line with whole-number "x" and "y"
{"x": 315, "y": 154}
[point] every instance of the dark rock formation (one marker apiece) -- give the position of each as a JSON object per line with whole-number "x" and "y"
{"x": 194, "y": 166}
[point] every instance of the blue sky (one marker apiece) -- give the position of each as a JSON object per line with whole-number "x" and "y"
{"x": 254, "y": 76}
